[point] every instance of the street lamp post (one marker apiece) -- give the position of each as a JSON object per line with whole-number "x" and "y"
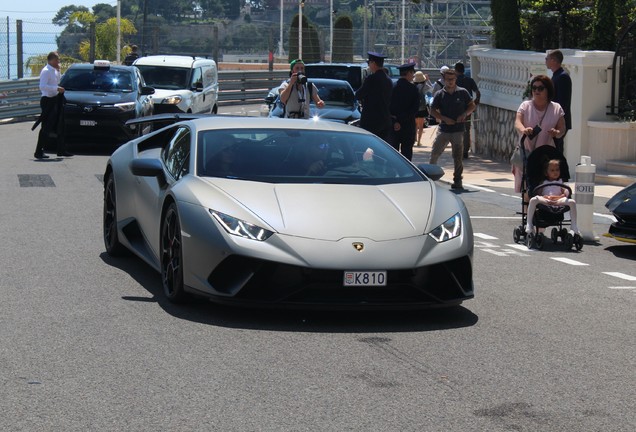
{"x": 118, "y": 31}
{"x": 301, "y": 4}
{"x": 281, "y": 52}
{"x": 331, "y": 30}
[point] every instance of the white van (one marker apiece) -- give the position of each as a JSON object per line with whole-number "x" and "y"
{"x": 182, "y": 84}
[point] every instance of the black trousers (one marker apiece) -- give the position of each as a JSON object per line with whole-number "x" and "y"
{"x": 51, "y": 124}
{"x": 404, "y": 139}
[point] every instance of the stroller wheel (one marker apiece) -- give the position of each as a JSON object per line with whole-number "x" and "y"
{"x": 578, "y": 242}
{"x": 539, "y": 239}
{"x": 569, "y": 241}
{"x": 563, "y": 233}
{"x": 516, "y": 234}
{"x": 554, "y": 235}
{"x": 530, "y": 240}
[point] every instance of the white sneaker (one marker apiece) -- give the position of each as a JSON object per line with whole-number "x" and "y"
{"x": 529, "y": 229}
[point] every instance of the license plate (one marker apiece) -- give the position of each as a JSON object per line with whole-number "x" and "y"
{"x": 365, "y": 278}
{"x": 88, "y": 123}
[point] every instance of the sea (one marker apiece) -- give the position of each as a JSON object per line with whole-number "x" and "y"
{"x": 38, "y": 38}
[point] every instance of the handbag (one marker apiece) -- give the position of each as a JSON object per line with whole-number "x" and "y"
{"x": 516, "y": 158}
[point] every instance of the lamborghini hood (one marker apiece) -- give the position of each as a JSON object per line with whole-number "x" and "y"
{"x": 332, "y": 212}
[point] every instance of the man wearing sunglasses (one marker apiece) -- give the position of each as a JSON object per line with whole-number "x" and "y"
{"x": 451, "y": 106}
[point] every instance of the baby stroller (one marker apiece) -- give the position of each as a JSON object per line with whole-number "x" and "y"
{"x": 545, "y": 216}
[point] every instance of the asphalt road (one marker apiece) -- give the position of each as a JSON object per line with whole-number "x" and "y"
{"x": 88, "y": 343}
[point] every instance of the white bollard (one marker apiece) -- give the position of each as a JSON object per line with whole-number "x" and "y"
{"x": 584, "y": 197}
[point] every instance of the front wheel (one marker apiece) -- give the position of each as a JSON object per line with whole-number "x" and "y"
{"x": 111, "y": 237}
{"x": 172, "y": 256}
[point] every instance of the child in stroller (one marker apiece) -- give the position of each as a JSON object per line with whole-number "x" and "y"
{"x": 550, "y": 199}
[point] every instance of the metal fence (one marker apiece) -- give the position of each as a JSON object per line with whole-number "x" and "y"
{"x": 20, "y": 99}
{"x": 35, "y": 37}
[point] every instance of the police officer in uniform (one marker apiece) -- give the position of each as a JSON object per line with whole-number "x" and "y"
{"x": 405, "y": 103}
{"x": 375, "y": 97}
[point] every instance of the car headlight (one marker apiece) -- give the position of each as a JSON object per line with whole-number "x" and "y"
{"x": 172, "y": 100}
{"x": 448, "y": 230}
{"x": 241, "y": 228}
{"x": 125, "y": 106}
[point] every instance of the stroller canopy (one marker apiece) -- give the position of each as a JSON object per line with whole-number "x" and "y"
{"x": 536, "y": 164}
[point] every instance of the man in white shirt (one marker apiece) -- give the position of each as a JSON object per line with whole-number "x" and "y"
{"x": 52, "y": 104}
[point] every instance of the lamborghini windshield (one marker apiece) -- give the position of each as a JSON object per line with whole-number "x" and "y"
{"x": 301, "y": 156}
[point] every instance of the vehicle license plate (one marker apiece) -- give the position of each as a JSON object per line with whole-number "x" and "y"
{"x": 88, "y": 123}
{"x": 365, "y": 278}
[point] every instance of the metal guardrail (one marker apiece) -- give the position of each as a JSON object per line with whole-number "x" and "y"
{"x": 20, "y": 99}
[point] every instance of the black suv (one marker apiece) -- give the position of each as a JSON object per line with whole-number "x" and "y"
{"x": 100, "y": 98}
{"x": 354, "y": 73}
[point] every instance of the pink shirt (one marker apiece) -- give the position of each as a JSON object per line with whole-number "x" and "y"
{"x": 530, "y": 117}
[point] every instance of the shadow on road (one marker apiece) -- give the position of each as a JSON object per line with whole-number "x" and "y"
{"x": 203, "y": 311}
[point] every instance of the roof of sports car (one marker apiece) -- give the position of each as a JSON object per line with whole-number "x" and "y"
{"x": 242, "y": 122}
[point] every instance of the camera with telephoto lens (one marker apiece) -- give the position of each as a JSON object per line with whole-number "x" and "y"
{"x": 535, "y": 132}
{"x": 302, "y": 79}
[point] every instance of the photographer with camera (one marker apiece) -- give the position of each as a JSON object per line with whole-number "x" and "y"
{"x": 540, "y": 119}
{"x": 296, "y": 93}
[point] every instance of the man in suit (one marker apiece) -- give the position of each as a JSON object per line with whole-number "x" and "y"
{"x": 405, "y": 103}
{"x": 562, "y": 90}
{"x": 375, "y": 97}
{"x": 52, "y": 104}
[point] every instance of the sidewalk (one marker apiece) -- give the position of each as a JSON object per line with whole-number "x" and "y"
{"x": 482, "y": 172}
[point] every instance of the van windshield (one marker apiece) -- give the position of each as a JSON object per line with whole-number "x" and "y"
{"x": 165, "y": 77}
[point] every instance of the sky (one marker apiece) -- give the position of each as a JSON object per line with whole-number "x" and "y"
{"x": 42, "y": 9}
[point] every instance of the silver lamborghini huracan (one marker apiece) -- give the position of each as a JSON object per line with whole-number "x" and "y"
{"x": 277, "y": 212}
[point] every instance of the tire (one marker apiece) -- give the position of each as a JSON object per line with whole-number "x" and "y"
{"x": 530, "y": 241}
{"x": 578, "y": 242}
{"x": 111, "y": 236}
{"x": 540, "y": 241}
{"x": 172, "y": 256}
{"x": 554, "y": 235}
{"x": 516, "y": 234}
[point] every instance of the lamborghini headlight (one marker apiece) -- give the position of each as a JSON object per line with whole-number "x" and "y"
{"x": 172, "y": 100}
{"x": 448, "y": 230}
{"x": 126, "y": 106}
{"x": 241, "y": 228}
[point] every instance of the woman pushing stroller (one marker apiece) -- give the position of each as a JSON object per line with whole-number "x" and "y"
{"x": 539, "y": 119}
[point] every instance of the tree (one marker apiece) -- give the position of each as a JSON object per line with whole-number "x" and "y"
{"x": 311, "y": 44}
{"x": 105, "y": 36}
{"x": 62, "y": 17}
{"x": 505, "y": 15}
{"x": 342, "y": 40}
{"x": 604, "y": 27}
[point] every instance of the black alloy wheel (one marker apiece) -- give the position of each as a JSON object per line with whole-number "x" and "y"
{"x": 172, "y": 256}
{"x": 111, "y": 238}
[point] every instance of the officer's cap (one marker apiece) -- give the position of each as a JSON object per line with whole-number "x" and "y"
{"x": 376, "y": 56}
{"x": 406, "y": 67}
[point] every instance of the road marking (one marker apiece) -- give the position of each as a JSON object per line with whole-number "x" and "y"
{"x": 569, "y": 261}
{"x": 519, "y": 246}
{"x": 483, "y": 244}
{"x": 504, "y": 252}
{"x": 485, "y": 236}
{"x": 481, "y": 188}
{"x": 623, "y": 287}
{"x": 621, "y": 276}
{"x": 494, "y": 217}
